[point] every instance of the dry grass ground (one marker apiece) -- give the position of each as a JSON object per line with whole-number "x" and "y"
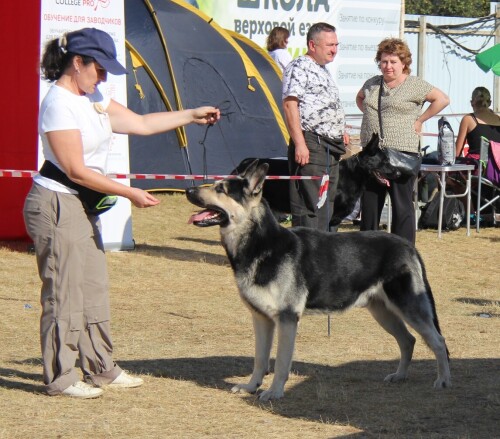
{"x": 178, "y": 323}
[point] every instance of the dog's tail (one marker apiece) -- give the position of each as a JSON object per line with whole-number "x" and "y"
{"x": 428, "y": 292}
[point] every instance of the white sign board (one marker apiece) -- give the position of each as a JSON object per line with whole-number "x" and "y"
{"x": 361, "y": 25}
{"x": 58, "y": 17}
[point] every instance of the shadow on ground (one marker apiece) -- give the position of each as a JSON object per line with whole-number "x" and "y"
{"x": 178, "y": 254}
{"x": 353, "y": 393}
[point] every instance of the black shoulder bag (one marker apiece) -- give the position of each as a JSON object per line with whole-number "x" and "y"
{"x": 403, "y": 163}
{"x": 93, "y": 202}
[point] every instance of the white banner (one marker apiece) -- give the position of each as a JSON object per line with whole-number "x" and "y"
{"x": 58, "y": 17}
{"x": 361, "y": 25}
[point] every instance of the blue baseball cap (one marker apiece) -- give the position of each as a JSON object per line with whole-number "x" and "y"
{"x": 97, "y": 44}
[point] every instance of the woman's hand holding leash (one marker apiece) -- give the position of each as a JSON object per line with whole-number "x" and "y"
{"x": 206, "y": 115}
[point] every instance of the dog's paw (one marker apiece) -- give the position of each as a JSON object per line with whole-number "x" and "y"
{"x": 244, "y": 388}
{"x": 268, "y": 395}
{"x": 395, "y": 378}
{"x": 442, "y": 383}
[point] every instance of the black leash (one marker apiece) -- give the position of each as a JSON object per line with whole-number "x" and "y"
{"x": 224, "y": 107}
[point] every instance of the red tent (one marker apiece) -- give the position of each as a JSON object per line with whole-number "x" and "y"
{"x": 20, "y": 36}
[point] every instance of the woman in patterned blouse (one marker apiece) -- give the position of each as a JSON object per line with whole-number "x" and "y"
{"x": 401, "y": 108}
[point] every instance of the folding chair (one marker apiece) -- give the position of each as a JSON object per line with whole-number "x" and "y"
{"x": 493, "y": 191}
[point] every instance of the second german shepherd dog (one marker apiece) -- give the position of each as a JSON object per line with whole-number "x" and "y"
{"x": 353, "y": 173}
{"x": 281, "y": 271}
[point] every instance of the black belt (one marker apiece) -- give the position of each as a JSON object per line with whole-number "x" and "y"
{"x": 51, "y": 171}
{"x": 335, "y": 146}
{"x": 94, "y": 202}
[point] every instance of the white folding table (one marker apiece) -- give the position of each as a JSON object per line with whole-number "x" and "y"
{"x": 442, "y": 170}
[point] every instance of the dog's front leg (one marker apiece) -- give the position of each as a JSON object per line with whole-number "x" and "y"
{"x": 264, "y": 330}
{"x": 287, "y": 331}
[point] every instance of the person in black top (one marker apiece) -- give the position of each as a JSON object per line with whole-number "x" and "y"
{"x": 482, "y": 122}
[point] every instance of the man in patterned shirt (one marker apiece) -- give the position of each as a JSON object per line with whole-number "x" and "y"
{"x": 315, "y": 121}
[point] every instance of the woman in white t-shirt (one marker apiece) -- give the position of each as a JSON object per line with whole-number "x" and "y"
{"x": 276, "y": 44}
{"x": 76, "y": 123}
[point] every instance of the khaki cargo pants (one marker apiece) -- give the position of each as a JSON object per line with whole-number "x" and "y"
{"x": 75, "y": 320}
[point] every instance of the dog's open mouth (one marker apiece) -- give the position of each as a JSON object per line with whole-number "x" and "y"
{"x": 208, "y": 217}
{"x": 381, "y": 179}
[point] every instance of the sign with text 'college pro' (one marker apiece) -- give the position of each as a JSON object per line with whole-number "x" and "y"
{"x": 361, "y": 25}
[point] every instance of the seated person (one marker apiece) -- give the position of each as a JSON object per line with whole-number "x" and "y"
{"x": 482, "y": 122}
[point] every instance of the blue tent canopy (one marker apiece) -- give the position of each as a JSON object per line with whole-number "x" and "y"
{"x": 179, "y": 58}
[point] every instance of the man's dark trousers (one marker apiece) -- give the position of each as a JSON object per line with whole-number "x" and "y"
{"x": 304, "y": 194}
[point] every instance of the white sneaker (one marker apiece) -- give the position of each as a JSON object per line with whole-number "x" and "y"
{"x": 125, "y": 380}
{"x": 82, "y": 390}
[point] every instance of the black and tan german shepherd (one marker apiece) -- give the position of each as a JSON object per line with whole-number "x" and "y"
{"x": 281, "y": 271}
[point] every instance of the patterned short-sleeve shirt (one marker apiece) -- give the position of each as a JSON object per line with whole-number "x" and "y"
{"x": 401, "y": 106}
{"x": 320, "y": 108}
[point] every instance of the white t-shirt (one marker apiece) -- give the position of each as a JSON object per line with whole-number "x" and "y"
{"x": 63, "y": 110}
{"x": 281, "y": 57}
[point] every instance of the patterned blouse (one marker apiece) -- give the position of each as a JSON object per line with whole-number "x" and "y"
{"x": 401, "y": 106}
{"x": 319, "y": 103}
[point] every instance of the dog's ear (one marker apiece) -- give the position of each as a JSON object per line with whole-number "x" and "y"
{"x": 250, "y": 168}
{"x": 243, "y": 165}
{"x": 373, "y": 145}
{"x": 256, "y": 175}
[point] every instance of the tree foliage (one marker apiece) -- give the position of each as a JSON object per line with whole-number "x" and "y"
{"x": 449, "y": 8}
